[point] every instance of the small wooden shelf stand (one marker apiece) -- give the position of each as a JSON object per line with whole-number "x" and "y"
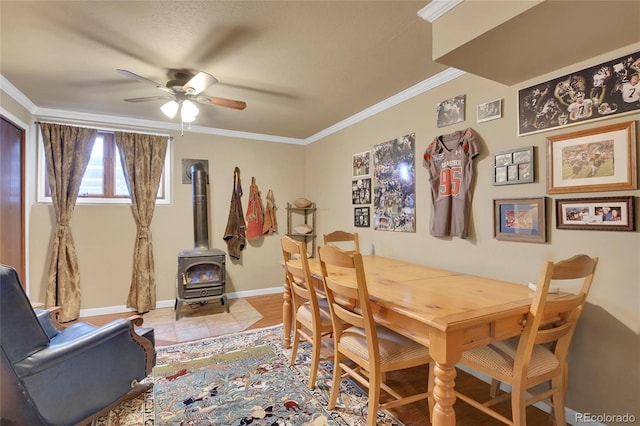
{"x": 299, "y": 216}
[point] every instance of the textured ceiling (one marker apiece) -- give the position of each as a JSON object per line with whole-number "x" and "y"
{"x": 300, "y": 66}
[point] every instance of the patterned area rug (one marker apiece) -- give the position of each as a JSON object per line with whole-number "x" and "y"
{"x": 241, "y": 379}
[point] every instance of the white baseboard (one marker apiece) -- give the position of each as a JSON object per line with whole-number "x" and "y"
{"x": 569, "y": 414}
{"x": 108, "y": 310}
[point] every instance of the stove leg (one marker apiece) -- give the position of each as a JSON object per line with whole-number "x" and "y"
{"x": 223, "y": 300}
{"x": 177, "y": 308}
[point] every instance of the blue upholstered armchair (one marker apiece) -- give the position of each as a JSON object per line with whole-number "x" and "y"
{"x": 53, "y": 375}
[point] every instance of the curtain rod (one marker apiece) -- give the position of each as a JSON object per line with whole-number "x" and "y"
{"x": 106, "y": 129}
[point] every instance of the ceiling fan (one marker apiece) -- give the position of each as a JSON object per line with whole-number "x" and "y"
{"x": 182, "y": 90}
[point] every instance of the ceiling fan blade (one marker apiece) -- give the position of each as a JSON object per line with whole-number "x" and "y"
{"x": 228, "y": 103}
{"x": 144, "y": 80}
{"x": 150, "y": 98}
{"x": 199, "y": 83}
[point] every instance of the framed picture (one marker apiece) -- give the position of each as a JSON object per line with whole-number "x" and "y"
{"x": 520, "y": 219}
{"x": 601, "y": 159}
{"x": 451, "y": 111}
{"x": 489, "y": 111}
{"x": 361, "y": 191}
{"x": 394, "y": 185}
{"x": 361, "y": 217}
{"x": 598, "y": 92}
{"x": 514, "y": 166}
{"x": 602, "y": 214}
{"x": 361, "y": 164}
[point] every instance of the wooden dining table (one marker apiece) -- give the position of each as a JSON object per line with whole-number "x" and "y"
{"x": 446, "y": 311}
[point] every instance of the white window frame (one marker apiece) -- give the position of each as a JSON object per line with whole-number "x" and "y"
{"x": 46, "y": 199}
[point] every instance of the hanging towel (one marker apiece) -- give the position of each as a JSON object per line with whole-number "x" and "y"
{"x": 235, "y": 233}
{"x": 269, "y": 225}
{"x": 254, "y": 212}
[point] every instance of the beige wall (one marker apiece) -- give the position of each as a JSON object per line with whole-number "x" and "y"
{"x": 606, "y": 343}
{"x": 328, "y": 164}
{"x": 596, "y": 384}
{"x": 104, "y": 234}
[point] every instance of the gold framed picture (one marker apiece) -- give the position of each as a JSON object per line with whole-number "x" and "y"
{"x": 600, "y": 159}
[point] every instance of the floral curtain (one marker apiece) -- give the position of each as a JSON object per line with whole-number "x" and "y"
{"x": 67, "y": 152}
{"x": 142, "y": 157}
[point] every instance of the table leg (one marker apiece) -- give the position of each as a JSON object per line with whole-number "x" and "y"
{"x": 286, "y": 314}
{"x": 444, "y": 395}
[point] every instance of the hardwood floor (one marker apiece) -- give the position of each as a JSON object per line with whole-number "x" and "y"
{"x": 408, "y": 381}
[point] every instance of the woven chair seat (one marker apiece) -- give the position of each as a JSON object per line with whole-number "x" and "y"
{"x": 305, "y": 314}
{"x": 394, "y": 348}
{"x": 499, "y": 358}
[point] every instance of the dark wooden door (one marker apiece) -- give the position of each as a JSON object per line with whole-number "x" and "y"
{"x": 12, "y": 218}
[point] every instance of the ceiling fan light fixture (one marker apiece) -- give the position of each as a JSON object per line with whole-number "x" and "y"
{"x": 189, "y": 109}
{"x": 170, "y": 109}
{"x": 181, "y": 94}
{"x": 188, "y": 118}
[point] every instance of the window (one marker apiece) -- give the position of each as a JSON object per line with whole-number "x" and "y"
{"x": 103, "y": 180}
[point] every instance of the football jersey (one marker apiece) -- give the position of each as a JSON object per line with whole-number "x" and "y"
{"x": 449, "y": 159}
{"x": 581, "y": 110}
{"x": 630, "y": 92}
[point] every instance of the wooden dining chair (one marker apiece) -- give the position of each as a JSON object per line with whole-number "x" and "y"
{"x": 374, "y": 349}
{"x": 342, "y": 237}
{"x": 539, "y": 355}
{"x": 311, "y": 313}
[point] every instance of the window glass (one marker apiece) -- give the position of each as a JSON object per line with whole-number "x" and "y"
{"x": 121, "y": 182}
{"x": 93, "y": 180}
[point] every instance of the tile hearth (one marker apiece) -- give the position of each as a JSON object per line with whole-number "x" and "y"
{"x": 200, "y": 321}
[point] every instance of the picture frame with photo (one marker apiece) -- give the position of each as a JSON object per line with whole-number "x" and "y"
{"x": 361, "y": 164}
{"x": 489, "y": 111}
{"x": 595, "y": 93}
{"x": 514, "y": 166}
{"x": 394, "y": 185}
{"x": 593, "y": 160}
{"x": 599, "y": 214}
{"x": 520, "y": 219}
{"x": 450, "y": 111}
{"x": 361, "y": 217}
{"x": 361, "y": 191}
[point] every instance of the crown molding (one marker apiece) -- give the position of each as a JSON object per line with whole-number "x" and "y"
{"x": 424, "y": 86}
{"x": 17, "y": 95}
{"x": 437, "y": 8}
{"x": 127, "y": 123}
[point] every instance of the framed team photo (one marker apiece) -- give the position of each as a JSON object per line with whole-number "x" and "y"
{"x": 600, "y": 159}
{"x": 361, "y": 217}
{"x": 601, "y": 214}
{"x": 520, "y": 219}
{"x": 450, "y": 111}
{"x": 361, "y": 164}
{"x": 489, "y": 111}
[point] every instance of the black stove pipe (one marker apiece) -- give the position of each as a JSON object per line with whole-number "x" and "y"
{"x": 199, "y": 180}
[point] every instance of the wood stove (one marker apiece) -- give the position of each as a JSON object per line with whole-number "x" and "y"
{"x": 201, "y": 270}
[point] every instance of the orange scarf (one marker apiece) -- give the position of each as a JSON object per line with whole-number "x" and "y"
{"x": 254, "y": 215}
